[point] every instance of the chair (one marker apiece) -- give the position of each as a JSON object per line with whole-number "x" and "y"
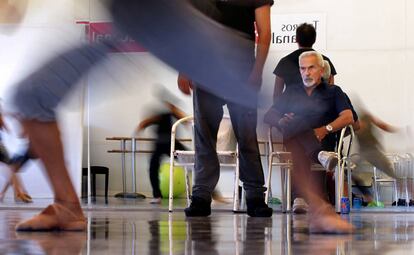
{"x": 381, "y": 178}
{"x": 286, "y": 165}
{"x": 94, "y": 171}
{"x": 186, "y": 159}
{"x": 346, "y": 139}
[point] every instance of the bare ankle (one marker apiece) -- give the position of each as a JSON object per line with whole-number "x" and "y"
{"x": 71, "y": 205}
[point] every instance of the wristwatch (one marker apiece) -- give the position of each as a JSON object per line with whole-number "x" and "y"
{"x": 329, "y": 128}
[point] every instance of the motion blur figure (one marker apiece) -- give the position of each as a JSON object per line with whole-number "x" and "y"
{"x": 162, "y": 119}
{"x": 14, "y": 164}
{"x": 12, "y": 12}
{"x": 181, "y": 36}
{"x": 370, "y": 149}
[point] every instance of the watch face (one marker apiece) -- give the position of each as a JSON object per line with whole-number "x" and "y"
{"x": 329, "y": 128}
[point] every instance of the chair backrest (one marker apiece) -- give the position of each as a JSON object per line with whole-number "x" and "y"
{"x": 226, "y": 141}
{"x": 344, "y": 145}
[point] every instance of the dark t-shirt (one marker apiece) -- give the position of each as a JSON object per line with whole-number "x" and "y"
{"x": 236, "y": 14}
{"x": 320, "y": 108}
{"x": 163, "y": 127}
{"x": 288, "y": 67}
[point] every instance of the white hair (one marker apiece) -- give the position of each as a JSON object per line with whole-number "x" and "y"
{"x": 314, "y": 54}
{"x": 326, "y": 70}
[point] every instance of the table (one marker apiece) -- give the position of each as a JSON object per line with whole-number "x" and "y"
{"x": 123, "y": 151}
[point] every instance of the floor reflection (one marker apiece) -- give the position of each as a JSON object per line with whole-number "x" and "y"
{"x": 157, "y": 232}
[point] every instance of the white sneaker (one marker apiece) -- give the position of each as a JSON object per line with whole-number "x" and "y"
{"x": 300, "y": 206}
{"x": 328, "y": 159}
{"x": 155, "y": 201}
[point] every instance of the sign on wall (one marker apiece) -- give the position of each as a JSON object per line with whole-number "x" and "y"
{"x": 98, "y": 31}
{"x": 284, "y": 30}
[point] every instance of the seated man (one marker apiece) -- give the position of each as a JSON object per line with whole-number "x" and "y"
{"x": 308, "y": 114}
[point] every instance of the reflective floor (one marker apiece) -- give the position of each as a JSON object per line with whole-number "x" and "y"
{"x": 149, "y": 229}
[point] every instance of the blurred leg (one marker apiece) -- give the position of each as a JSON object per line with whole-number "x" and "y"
{"x": 65, "y": 213}
{"x": 322, "y": 217}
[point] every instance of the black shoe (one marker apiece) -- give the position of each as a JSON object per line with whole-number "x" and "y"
{"x": 401, "y": 202}
{"x": 256, "y": 207}
{"x": 411, "y": 203}
{"x": 198, "y": 208}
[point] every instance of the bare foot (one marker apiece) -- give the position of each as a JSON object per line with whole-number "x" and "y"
{"x": 326, "y": 221}
{"x": 217, "y": 197}
{"x": 23, "y": 197}
{"x": 54, "y": 217}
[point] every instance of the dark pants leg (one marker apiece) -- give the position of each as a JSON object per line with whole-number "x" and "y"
{"x": 208, "y": 112}
{"x": 244, "y": 121}
{"x": 153, "y": 172}
{"x": 161, "y": 149}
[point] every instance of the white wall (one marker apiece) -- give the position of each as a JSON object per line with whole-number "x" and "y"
{"x": 47, "y": 28}
{"x": 369, "y": 43}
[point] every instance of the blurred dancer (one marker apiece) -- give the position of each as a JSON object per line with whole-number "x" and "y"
{"x": 12, "y": 12}
{"x": 163, "y": 120}
{"x": 181, "y": 36}
{"x": 371, "y": 150}
{"x": 14, "y": 164}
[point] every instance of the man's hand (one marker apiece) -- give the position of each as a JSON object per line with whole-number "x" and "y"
{"x": 287, "y": 117}
{"x": 184, "y": 84}
{"x": 320, "y": 133}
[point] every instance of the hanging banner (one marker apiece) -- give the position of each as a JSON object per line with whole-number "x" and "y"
{"x": 98, "y": 31}
{"x": 284, "y": 30}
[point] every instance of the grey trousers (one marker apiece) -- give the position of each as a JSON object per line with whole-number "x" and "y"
{"x": 208, "y": 112}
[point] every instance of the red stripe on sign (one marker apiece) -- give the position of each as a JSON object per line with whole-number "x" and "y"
{"x": 99, "y": 31}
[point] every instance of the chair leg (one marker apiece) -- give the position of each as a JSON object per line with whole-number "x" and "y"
{"x": 349, "y": 177}
{"x": 395, "y": 192}
{"x": 407, "y": 200}
{"x": 338, "y": 189}
{"x": 236, "y": 200}
{"x": 106, "y": 186}
{"x": 269, "y": 177}
{"x": 284, "y": 188}
{"x": 187, "y": 186}
{"x": 93, "y": 185}
{"x": 288, "y": 188}
{"x": 376, "y": 186}
{"x": 84, "y": 187}
{"x": 171, "y": 191}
